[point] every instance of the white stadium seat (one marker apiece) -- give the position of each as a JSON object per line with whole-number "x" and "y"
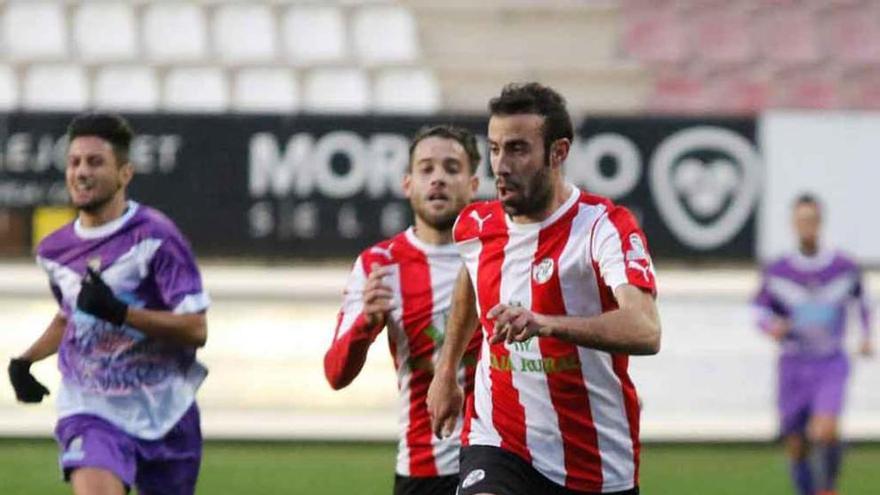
{"x": 406, "y": 91}
{"x": 195, "y": 89}
{"x": 55, "y": 87}
{"x": 265, "y": 90}
{"x": 132, "y": 88}
{"x": 8, "y": 89}
{"x": 384, "y": 34}
{"x": 336, "y": 90}
{"x": 34, "y": 31}
{"x": 174, "y": 32}
{"x": 244, "y": 33}
{"x": 314, "y": 34}
{"x": 105, "y": 32}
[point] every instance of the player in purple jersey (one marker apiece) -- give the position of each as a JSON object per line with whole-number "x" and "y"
{"x": 802, "y": 304}
{"x": 132, "y": 313}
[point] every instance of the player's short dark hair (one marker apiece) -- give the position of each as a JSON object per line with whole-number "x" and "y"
{"x": 808, "y": 199}
{"x": 462, "y": 136}
{"x": 108, "y": 126}
{"x": 535, "y": 98}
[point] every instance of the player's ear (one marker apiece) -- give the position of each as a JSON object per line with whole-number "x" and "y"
{"x": 559, "y": 151}
{"x": 126, "y": 173}
{"x": 406, "y": 184}
{"x": 474, "y": 183}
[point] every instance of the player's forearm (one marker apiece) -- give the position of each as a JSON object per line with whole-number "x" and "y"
{"x": 185, "y": 329}
{"x": 865, "y": 314}
{"x": 345, "y": 359}
{"x": 626, "y": 331}
{"x": 460, "y": 326}
{"x": 47, "y": 344}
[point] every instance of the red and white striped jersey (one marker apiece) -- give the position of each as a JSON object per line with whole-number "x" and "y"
{"x": 571, "y": 411}
{"x": 422, "y": 279}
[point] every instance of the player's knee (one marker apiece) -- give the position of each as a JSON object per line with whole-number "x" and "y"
{"x": 95, "y": 481}
{"x": 796, "y": 447}
{"x": 823, "y": 431}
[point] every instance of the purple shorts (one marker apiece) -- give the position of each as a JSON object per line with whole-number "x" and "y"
{"x": 810, "y": 386}
{"x": 169, "y": 465}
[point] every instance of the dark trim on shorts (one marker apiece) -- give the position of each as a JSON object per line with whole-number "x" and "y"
{"x": 487, "y": 469}
{"x": 427, "y": 485}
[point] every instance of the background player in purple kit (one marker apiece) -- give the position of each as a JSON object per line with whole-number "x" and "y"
{"x": 803, "y": 304}
{"x": 132, "y": 313}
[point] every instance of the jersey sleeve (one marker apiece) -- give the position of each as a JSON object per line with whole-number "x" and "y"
{"x": 860, "y": 295}
{"x": 765, "y": 306}
{"x": 353, "y": 336}
{"x": 620, "y": 250}
{"x": 177, "y": 277}
{"x": 54, "y": 288}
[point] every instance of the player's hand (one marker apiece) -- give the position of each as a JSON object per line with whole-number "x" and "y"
{"x": 97, "y": 299}
{"x": 513, "y": 323}
{"x": 779, "y": 328}
{"x": 866, "y": 349}
{"x": 27, "y": 388}
{"x": 378, "y": 296}
{"x": 445, "y": 400}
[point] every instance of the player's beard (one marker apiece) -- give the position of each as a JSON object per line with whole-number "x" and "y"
{"x": 440, "y": 221}
{"x": 98, "y": 203}
{"x": 534, "y": 196}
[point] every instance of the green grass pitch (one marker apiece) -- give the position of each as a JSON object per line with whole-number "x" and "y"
{"x": 29, "y": 467}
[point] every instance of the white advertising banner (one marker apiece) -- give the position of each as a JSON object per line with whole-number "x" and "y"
{"x": 834, "y": 155}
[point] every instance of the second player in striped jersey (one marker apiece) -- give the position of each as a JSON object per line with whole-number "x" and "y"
{"x": 563, "y": 286}
{"x": 405, "y": 284}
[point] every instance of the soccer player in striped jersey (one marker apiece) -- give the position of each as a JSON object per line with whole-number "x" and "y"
{"x": 405, "y": 284}
{"x": 131, "y": 316}
{"x": 563, "y": 286}
{"x": 802, "y": 304}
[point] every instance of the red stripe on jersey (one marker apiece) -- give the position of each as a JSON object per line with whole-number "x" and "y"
{"x": 473, "y": 350}
{"x": 417, "y": 304}
{"x": 568, "y": 392}
{"x": 620, "y": 363}
{"x": 508, "y": 414}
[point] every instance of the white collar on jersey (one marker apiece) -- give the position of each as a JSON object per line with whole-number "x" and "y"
{"x": 429, "y": 248}
{"x": 572, "y": 199}
{"x": 108, "y": 228}
{"x": 820, "y": 260}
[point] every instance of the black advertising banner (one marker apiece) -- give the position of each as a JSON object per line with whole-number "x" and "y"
{"x": 328, "y": 186}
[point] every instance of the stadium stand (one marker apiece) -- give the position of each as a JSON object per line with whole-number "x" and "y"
{"x": 422, "y": 56}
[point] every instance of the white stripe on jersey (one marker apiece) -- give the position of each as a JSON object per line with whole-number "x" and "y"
{"x": 543, "y": 435}
{"x": 605, "y": 390}
{"x": 483, "y": 430}
{"x": 352, "y": 304}
{"x": 443, "y": 277}
{"x": 400, "y": 339}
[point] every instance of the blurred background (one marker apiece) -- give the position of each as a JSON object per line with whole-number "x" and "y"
{"x": 275, "y": 133}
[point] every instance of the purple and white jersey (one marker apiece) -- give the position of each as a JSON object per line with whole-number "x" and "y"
{"x": 140, "y": 384}
{"x": 813, "y": 294}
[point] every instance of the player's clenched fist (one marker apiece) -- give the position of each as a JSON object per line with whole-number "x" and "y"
{"x": 513, "y": 323}
{"x": 378, "y": 296}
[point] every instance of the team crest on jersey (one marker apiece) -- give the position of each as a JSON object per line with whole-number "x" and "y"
{"x": 94, "y": 263}
{"x": 473, "y": 477}
{"x": 542, "y": 272}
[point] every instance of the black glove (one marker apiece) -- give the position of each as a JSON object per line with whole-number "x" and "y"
{"x": 97, "y": 299}
{"x": 27, "y": 388}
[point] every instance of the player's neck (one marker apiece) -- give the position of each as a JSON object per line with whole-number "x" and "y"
{"x": 430, "y": 235}
{"x": 112, "y": 210}
{"x": 558, "y": 197}
{"x": 809, "y": 249}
